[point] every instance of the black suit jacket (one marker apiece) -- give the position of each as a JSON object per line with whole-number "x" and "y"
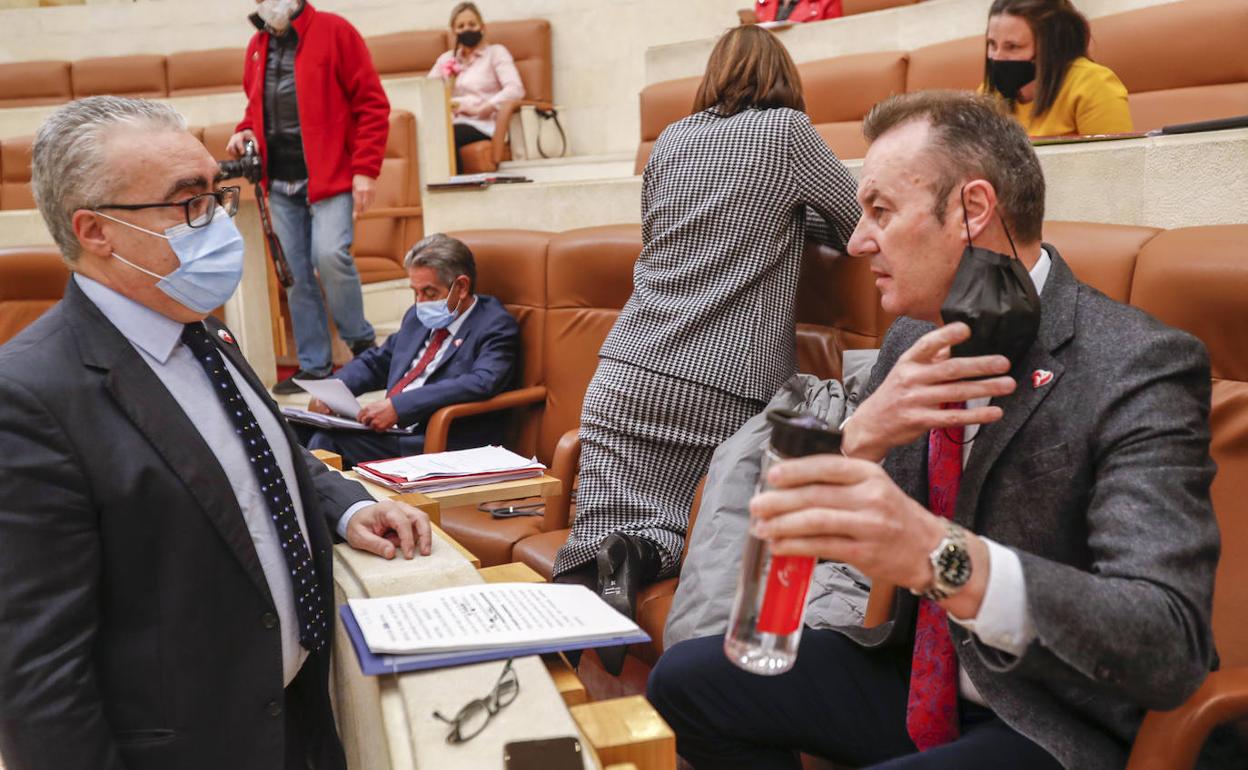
{"x": 482, "y": 359}
{"x": 1099, "y": 480}
{"x": 136, "y": 626}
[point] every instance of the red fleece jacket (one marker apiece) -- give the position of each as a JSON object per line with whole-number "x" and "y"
{"x": 344, "y": 115}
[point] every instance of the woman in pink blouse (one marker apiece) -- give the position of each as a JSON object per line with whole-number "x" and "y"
{"x": 482, "y": 75}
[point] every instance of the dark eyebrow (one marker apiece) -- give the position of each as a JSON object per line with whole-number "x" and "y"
{"x": 187, "y": 183}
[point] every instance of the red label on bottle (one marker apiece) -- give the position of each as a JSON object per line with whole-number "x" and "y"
{"x": 788, "y": 579}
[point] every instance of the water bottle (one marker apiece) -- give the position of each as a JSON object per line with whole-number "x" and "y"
{"x": 766, "y": 623}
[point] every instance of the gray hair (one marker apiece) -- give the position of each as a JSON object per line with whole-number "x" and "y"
{"x": 448, "y": 257}
{"x": 67, "y": 170}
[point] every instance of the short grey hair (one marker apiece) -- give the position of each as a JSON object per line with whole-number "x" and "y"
{"x": 448, "y": 257}
{"x": 67, "y": 170}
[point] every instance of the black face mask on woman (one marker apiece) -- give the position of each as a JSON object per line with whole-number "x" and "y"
{"x": 469, "y": 38}
{"x": 993, "y": 294}
{"x": 1007, "y": 77}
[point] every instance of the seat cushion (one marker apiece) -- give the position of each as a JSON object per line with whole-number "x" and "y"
{"x": 538, "y": 551}
{"x": 490, "y": 539}
{"x": 477, "y": 157}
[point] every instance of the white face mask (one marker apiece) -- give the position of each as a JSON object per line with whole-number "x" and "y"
{"x": 277, "y": 13}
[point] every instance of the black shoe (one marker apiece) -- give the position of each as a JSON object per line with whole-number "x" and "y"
{"x": 288, "y": 386}
{"x": 624, "y": 563}
{"x": 359, "y": 346}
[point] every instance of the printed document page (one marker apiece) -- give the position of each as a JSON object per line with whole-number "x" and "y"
{"x": 486, "y": 616}
{"x": 465, "y": 462}
{"x": 333, "y": 393}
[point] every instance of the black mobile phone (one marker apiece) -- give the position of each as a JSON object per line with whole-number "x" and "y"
{"x": 544, "y": 754}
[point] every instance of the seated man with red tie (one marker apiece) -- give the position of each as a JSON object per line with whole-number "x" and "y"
{"x": 452, "y": 347}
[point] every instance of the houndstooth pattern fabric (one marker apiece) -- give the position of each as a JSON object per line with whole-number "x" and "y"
{"x": 725, "y": 203}
{"x": 646, "y": 442}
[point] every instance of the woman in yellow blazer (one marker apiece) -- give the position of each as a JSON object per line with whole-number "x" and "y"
{"x": 1037, "y": 62}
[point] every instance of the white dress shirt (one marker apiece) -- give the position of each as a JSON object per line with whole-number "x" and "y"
{"x": 158, "y": 340}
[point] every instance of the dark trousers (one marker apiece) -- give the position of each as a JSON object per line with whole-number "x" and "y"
{"x": 354, "y": 446}
{"x": 839, "y": 701}
{"x": 466, "y": 134}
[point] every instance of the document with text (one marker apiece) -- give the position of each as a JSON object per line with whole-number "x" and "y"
{"x": 479, "y": 617}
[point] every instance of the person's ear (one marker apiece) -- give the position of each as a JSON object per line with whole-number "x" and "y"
{"x": 979, "y": 202}
{"x": 89, "y": 230}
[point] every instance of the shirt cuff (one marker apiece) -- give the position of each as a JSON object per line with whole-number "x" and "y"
{"x": 346, "y": 517}
{"x": 1004, "y": 620}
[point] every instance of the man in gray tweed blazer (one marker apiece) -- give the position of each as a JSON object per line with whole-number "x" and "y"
{"x": 1071, "y": 590}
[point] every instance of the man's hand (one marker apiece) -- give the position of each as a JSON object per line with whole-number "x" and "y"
{"x": 318, "y": 406}
{"x": 238, "y": 143}
{"x": 908, "y": 403}
{"x": 363, "y": 192}
{"x": 850, "y": 510}
{"x": 382, "y": 527}
{"x": 380, "y": 416}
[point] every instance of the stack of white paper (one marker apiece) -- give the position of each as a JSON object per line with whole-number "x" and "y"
{"x": 450, "y": 470}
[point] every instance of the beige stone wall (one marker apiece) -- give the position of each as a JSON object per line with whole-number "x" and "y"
{"x": 599, "y": 45}
{"x": 897, "y": 29}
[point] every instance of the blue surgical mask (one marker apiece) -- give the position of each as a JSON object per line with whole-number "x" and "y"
{"x": 435, "y": 314}
{"x": 211, "y": 262}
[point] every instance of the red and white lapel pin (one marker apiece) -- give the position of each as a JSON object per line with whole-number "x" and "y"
{"x": 1040, "y": 378}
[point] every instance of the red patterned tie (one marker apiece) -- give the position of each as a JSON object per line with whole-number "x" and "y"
{"x": 435, "y": 344}
{"x": 932, "y": 708}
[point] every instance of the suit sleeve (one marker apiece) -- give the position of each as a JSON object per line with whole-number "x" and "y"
{"x": 490, "y": 373}
{"x": 370, "y": 109}
{"x": 334, "y": 492}
{"x": 1138, "y": 622}
{"x": 369, "y": 370}
{"x": 51, "y": 714}
{"x": 824, "y": 185}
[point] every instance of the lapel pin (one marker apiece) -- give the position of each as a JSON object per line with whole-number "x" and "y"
{"x": 1040, "y": 378}
{"x": 225, "y": 336}
{"x": 459, "y": 342}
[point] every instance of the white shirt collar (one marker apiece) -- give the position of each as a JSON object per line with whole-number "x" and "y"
{"x": 1040, "y": 271}
{"x": 454, "y": 328}
{"x": 155, "y": 334}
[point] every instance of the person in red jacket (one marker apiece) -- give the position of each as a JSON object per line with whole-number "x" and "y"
{"x": 797, "y": 10}
{"x": 322, "y": 144}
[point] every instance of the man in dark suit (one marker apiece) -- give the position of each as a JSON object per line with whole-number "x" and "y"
{"x": 453, "y": 346}
{"x": 1062, "y": 535}
{"x": 166, "y": 595}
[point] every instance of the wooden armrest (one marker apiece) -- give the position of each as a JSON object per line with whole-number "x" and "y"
{"x": 879, "y": 603}
{"x": 563, "y": 466}
{"x": 440, "y": 423}
{"x": 332, "y": 459}
{"x": 1171, "y": 740}
{"x": 392, "y": 212}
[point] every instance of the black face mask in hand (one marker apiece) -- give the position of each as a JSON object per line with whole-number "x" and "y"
{"x": 993, "y": 294}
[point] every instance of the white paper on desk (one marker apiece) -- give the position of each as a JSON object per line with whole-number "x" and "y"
{"x": 486, "y": 616}
{"x": 295, "y": 414}
{"x": 333, "y": 393}
{"x": 463, "y": 462}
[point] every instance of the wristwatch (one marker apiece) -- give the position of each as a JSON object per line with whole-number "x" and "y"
{"x": 951, "y": 566}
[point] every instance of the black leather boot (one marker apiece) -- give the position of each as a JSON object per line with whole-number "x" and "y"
{"x": 625, "y": 562}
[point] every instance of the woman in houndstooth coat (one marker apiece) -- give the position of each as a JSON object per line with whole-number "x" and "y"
{"x": 729, "y": 197}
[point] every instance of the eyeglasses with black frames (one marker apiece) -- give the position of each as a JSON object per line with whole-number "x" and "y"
{"x": 198, "y": 209}
{"x": 476, "y": 714}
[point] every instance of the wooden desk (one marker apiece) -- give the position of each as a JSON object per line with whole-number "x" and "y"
{"x": 627, "y": 730}
{"x": 539, "y": 486}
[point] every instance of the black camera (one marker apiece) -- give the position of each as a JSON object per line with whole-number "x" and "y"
{"x": 248, "y": 166}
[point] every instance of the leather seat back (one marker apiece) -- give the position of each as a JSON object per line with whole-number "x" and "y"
{"x": 839, "y": 92}
{"x": 1180, "y": 62}
{"x": 15, "y": 158}
{"x": 1100, "y": 255}
{"x": 528, "y": 42}
{"x": 953, "y": 64}
{"x": 381, "y": 242}
{"x": 852, "y": 7}
{"x": 31, "y": 83}
{"x": 589, "y": 277}
{"x": 141, "y": 76}
{"x": 407, "y": 54}
{"x": 219, "y": 70}
{"x": 1194, "y": 278}
{"x": 31, "y": 281}
{"x": 661, "y": 105}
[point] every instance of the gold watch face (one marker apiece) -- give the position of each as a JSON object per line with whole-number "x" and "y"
{"x": 953, "y": 565}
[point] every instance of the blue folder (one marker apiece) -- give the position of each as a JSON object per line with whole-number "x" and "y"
{"x": 373, "y": 664}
